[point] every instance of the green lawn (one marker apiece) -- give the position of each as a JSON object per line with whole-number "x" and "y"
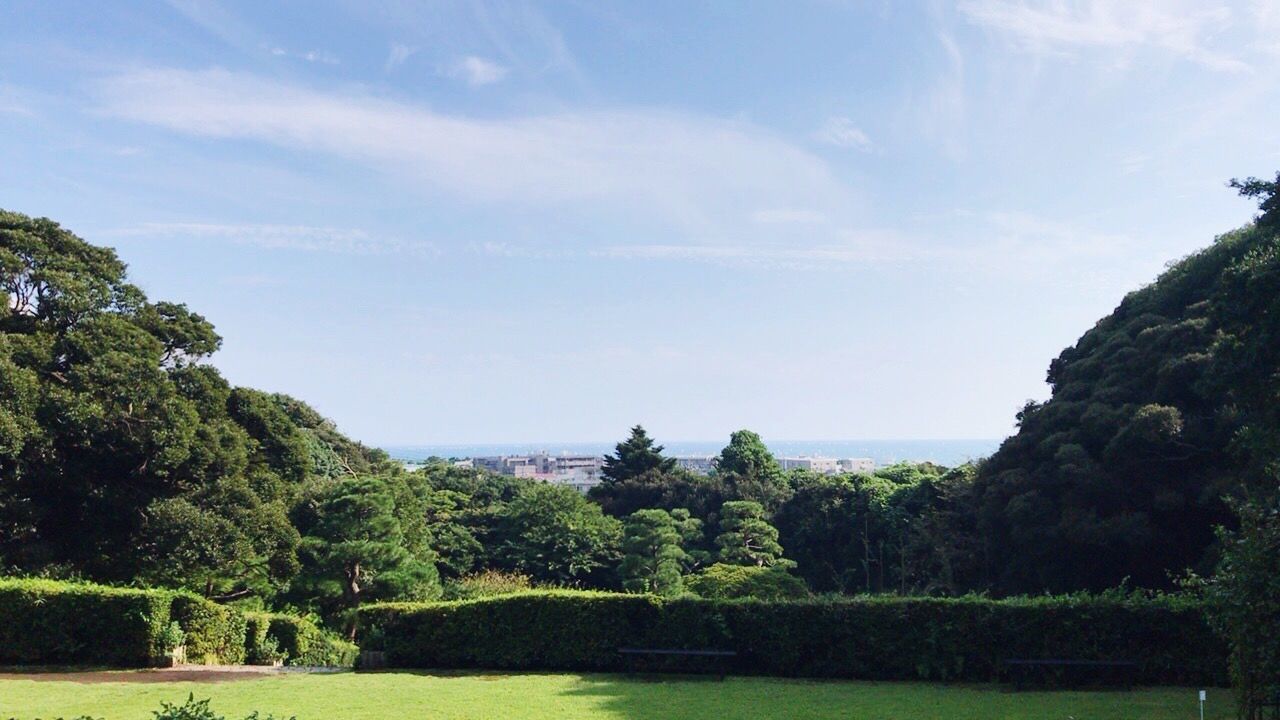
{"x": 406, "y": 696}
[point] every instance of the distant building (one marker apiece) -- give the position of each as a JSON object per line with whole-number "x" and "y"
{"x": 827, "y": 465}
{"x": 824, "y": 465}
{"x": 581, "y": 472}
{"x": 700, "y": 464}
{"x": 861, "y": 466}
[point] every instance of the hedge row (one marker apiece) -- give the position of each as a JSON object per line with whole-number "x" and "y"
{"x": 61, "y": 623}
{"x": 864, "y": 638}
{"x": 215, "y": 634}
{"x": 298, "y": 641}
{"x": 47, "y": 622}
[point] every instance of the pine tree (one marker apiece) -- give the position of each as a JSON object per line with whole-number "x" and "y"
{"x": 636, "y": 456}
{"x": 746, "y": 537}
{"x": 653, "y": 559}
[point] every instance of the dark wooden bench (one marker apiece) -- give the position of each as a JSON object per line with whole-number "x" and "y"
{"x": 721, "y": 655}
{"x": 1020, "y": 669}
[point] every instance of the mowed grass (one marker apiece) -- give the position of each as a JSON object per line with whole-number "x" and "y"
{"x": 448, "y": 696}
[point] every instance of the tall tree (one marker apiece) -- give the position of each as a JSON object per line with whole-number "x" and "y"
{"x": 553, "y": 534}
{"x": 746, "y": 538}
{"x": 357, "y": 545}
{"x": 746, "y": 455}
{"x": 653, "y": 558}
{"x": 636, "y": 456}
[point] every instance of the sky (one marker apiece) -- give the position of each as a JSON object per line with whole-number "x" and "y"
{"x": 453, "y": 222}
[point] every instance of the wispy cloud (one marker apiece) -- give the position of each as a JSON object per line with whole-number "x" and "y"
{"x": 1001, "y": 243}
{"x": 1181, "y": 27}
{"x": 476, "y": 71}
{"x": 288, "y": 237}
{"x": 941, "y": 111}
{"x": 311, "y": 56}
{"x": 398, "y": 54}
{"x": 842, "y": 132}
{"x": 685, "y": 170}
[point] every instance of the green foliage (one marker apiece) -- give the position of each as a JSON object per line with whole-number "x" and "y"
{"x": 194, "y": 709}
{"x": 170, "y": 638}
{"x": 122, "y": 457}
{"x": 634, "y": 457}
{"x": 746, "y": 455}
{"x": 553, "y": 534}
{"x": 1121, "y": 474}
{"x": 868, "y": 638}
{"x": 727, "y": 582}
{"x": 49, "y": 622}
{"x": 302, "y": 643}
{"x": 653, "y": 559}
{"x": 746, "y": 538}
{"x": 360, "y": 543}
{"x": 1245, "y": 599}
{"x": 45, "y": 622}
{"x": 856, "y": 533}
{"x": 1268, "y": 194}
{"x": 487, "y": 583}
{"x": 215, "y": 634}
{"x": 260, "y": 647}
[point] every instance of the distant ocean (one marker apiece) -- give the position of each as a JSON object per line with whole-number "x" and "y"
{"x": 883, "y": 452}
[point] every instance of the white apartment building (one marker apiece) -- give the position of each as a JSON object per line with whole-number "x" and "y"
{"x": 827, "y": 465}
{"x": 700, "y": 464}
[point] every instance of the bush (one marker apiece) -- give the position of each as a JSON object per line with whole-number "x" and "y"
{"x": 725, "y": 582}
{"x": 215, "y": 634}
{"x": 302, "y": 643}
{"x": 260, "y": 648}
{"x": 882, "y": 638}
{"x": 194, "y": 709}
{"x": 51, "y": 622}
{"x": 489, "y": 583}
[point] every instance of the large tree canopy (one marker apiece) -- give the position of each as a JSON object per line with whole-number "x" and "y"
{"x": 1122, "y": 472}
{"x": 122, "y": 455}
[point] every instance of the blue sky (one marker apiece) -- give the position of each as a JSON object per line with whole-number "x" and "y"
{"x": 465, "y": 222}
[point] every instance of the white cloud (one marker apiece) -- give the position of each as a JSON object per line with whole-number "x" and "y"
{"x": 398, "y": 54}
{"x": 311, "y": 56}
{"x": 693, "y": 172}
{"x": 476, "y": 71}
{"x": 287, "y": 237}
{"x": 842, "y": 132}
{"x": 1180, "y": 27}
{"x": 1003, "y": 244}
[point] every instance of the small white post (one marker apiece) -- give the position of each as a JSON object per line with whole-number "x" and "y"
{"x": 1201, "y": 705}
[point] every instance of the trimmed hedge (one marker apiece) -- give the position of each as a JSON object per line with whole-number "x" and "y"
{"x": 305, "y": 644}
{"x": 50, "y": 622}
{"x": 878, "y": 638}
{"x": 215, "y": 633}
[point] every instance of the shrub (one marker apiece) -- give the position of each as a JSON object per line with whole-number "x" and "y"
{"x": 260, "y": 648}
{"x": 724, "y": 582}
{"x": 194, "y": 709}
{"x": 489, "y": 583}
{"x": 51, "y": 622}
{"x": 302, "y": 643}
{"x": 882, "y": 638}
{"x": 215, "y": 634}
